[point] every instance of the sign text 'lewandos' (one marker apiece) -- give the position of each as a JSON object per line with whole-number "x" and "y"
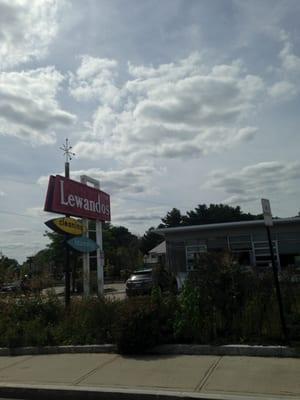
{"x": 65, "y": 196}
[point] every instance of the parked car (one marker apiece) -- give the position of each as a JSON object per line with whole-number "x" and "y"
{"x": 141, "y": 282}
{"x": 10, "y": 287}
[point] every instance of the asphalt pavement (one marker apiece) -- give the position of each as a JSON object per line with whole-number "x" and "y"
{"x": 209, "y": 377}
{"x": 111, "y": 290}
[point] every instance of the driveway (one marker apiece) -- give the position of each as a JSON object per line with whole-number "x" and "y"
{"x": 115, "y": 290}
{"x": 111, "y": 290}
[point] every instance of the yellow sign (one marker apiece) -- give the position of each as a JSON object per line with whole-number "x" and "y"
{"x": 66, "y": 225}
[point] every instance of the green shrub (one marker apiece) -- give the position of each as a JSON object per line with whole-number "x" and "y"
{"x": 89, "y": 321}
{"x": 222, "y": 303}
{"x": 29, "y": 321}
{"x": 145, "y": 322}
{"x": 219, "y": 304}
{"x": 138, "y": 327}
{"x": 189, "y": 319}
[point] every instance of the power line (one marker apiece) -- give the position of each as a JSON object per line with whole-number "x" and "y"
{"x": 20, "y": 181}
{"x": 17, "y": 214}
{"x": 158, "y": 203}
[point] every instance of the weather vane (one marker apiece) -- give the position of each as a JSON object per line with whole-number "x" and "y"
{"x": 66, "y": 148}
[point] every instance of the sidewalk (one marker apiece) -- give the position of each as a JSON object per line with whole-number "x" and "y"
{"x": 180, "y": 376}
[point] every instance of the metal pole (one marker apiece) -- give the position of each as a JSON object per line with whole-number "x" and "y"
{"x": 100, "y": 273}
{"x": 278, "y": 292}
{"x": 99, "y": 241}
{"x": 86, "y": 263}
{"x": 66, "y": 148}
{"x": 67, "y": 249}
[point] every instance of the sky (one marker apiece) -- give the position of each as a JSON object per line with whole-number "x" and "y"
{"x": 169, "y": 103}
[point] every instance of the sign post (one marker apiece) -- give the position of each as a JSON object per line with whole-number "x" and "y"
{"x": 86, "y": 261}
{"x": 269, "y": 222}
{"x": 66, "y": 149}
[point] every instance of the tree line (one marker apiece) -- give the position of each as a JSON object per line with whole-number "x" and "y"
{"x": 201, "y": 215}
{"x": 123, "y": 249}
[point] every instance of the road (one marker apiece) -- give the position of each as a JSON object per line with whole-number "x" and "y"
{"x": 111, "y": 290}
{"x": 115, "y": 290}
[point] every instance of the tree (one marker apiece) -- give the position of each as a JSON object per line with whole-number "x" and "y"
{"x": 9, "y": 268}
{"x": 121, "y": 248}
{"x": 173, "y": 218}
{"x": 150, "y": 240}
{"x": 216, "y": 213}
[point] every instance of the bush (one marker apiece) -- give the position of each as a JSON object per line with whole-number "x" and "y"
{"x": 29, "y": 321}
{"x": 219, "y": 304}
{"x": 222, "y": 303}
{"x": 89, "y": 321}
{"x": 145, "y": 322}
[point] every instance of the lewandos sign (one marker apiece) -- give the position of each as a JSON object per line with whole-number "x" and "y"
{"x": 65, "y": 196}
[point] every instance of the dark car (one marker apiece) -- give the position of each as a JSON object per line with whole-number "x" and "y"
{"x": 10, "y": 287}
{"x": 141, "y": 282}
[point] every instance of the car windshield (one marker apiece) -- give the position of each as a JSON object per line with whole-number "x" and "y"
{"x": 141, "y": 276}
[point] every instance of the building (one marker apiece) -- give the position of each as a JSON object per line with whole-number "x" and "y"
{"x": 247, "y": 240}
{"x": 157, "y": 255}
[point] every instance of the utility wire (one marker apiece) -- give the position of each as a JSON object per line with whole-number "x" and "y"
{"x": 158, "y": 203}
{"x": 17, "y": 214}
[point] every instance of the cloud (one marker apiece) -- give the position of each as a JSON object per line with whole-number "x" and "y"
{"x": 254, "y": 181}
{"x": 283, "y": 90}
{"x": 181, "y": 109}
{"x": 35, "y": 212}
{"x": 287, "y": 88}
{"x": 28, "y": 106}
{"x": 94, "y": 79}
{"x": 290, "y": 61}
{"x": 16, "y": 246}
{"x": 138, "y": 216}
{"x": 27, "y": 28}
{"x": 2, "y": 194}
{"x": 127, "y": 180}
{"x": 15, "y": 231}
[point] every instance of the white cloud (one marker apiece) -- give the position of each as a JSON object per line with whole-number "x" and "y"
{"x": 127, "y": 180}
{"x": 15, "y": 231}
{"x": 28, "y": 106}
{"x": 254, "y": 181}
{"x": 287, "y": 87}
{"x": 36, "y": 212}
{"x": 27, "y": 27}
{"x": 283, "y": 90}
{"x": 137, "y": 217}
{"x": 95, "y": 79}
{"x": 290, "y": 61}
{"x": 181, "y": 109}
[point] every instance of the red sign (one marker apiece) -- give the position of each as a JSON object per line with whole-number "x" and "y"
{"x": 65, "y": 196}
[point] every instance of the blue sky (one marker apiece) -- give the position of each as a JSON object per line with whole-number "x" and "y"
{"x": 169, "y": 103}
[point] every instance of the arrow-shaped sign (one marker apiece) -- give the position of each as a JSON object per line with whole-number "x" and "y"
{"x": 83, "y": 244}
{"x": 66, "y": 225}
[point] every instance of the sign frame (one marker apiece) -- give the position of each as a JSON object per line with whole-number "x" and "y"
{"x": 69, "y": 197}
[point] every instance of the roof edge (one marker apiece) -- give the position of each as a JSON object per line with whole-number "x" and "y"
{"x": 236, "y": 224}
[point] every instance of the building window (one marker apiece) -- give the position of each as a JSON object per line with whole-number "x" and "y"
{"x": 193, "y": 255}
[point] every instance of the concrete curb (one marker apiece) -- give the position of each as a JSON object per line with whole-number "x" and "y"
{"x": 168, "y": 349}
{"x": 227, "y": 350}
{"x": 47, "y": 392}
{"x": 26, "y": 351}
